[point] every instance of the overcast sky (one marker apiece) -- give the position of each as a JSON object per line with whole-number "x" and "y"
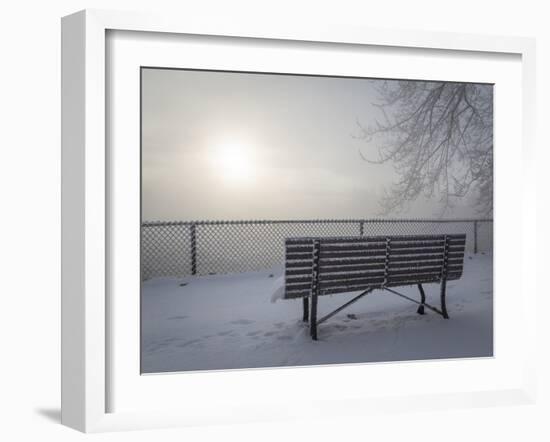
{"x": 219, "y": 145}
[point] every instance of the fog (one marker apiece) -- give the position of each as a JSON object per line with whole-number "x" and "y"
{"x": 219, "y": 145}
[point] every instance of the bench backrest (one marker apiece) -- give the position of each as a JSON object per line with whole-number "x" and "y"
{"x": 344, "y": 264}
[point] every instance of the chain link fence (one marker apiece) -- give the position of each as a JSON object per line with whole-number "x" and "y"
{"x": 183, "y": 248}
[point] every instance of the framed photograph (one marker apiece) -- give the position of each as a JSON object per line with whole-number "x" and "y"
{"x": 244, "y": 172}
{"x": 267, "y": 222}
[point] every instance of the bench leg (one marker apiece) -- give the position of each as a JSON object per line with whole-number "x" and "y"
{"x": 420, "y": 310}
{"x": 313, "y": 317}
{"x": 305, "y": 301}
{"x": 443, "y": 292}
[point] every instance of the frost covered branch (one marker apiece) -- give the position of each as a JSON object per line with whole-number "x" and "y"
{"x": 439, "y": 138}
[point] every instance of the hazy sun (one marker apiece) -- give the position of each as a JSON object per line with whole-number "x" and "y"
{"x": 234, "y": 162}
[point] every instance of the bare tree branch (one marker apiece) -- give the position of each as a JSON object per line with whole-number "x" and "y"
{"x": 439, "y": 138}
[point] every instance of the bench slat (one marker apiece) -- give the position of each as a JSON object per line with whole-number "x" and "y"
{"x": 299, "y": 287}
{"x": 393, "y": 252}
{"x": 352, "y": 254}
{"x": 361, "y": 261}
{"x": 350, "y": 276}
{"x": 420, "y": 252}
{"x": 378, "y": 284}
{"x": 402, "y": 280}
{"x": 376, "y": 265}
{"x": 349, "y": 286}
{"x": 298, "y": 256}
{"x": 415, "y": 271}
{"x": 394, "y": 259}
{"x": 350, "y": 289}
{"x": 328, "y": 255}
{"x": 378, "y": 279}
{"x": 351, "y": 268}
{"x": 298, "y": 279}
{"x": 300, "y": 240}
{"x": 352, "y": 247}
{"x": 351, "y": 261}
{"x": 422, "y": 257}
{"x": 298, "y": 272}
{"x": 380, "y": 238}
{"x": 304, "y": 290}
{"x": 399, "y": 269}
{"x": 298, "y": 263}
{"x": 420, "y": 245}
{"x": 382, "y": 246}
{"x": 289, "y": 294}
{"x": 409, "y": 265}
{"x": 299, "y": 249}
{"x": 410, "y": 271}
{"x": 369, "y": 251}
{"x": 427, "y": 263}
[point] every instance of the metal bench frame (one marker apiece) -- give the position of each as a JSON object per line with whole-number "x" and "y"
{"x": 310, "y": 302}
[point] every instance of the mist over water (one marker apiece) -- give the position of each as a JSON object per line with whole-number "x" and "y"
{"x": 237, "y": 146}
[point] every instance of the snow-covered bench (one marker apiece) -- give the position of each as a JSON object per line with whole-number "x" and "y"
{"x": 316, "y": 266}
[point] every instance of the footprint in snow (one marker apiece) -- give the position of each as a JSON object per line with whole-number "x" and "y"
{"x": 338, "y": 327}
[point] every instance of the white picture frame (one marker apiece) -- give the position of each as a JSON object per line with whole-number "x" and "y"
{"x": 87, "y": 203}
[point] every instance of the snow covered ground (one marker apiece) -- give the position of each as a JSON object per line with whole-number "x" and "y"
{"x": 237, "y": 321}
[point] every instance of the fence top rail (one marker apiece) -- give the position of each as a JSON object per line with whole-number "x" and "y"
{"x": 312, "y": 221}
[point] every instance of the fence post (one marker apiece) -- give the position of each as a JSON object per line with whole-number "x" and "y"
{"x": 193, "y": 249}
{"x": 475, "y": 237}
{"x": 361, "y": 227}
